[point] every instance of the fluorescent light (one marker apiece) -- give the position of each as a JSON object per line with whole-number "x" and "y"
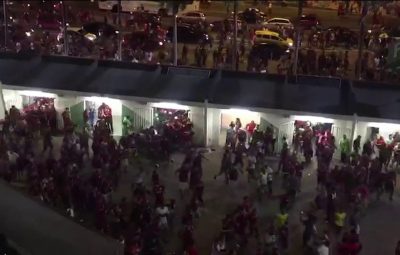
{"x": 100, "y": 100}
{"x": 312, "y": 119}
{"x": 34, "y": 93}
{"x": 166, "y": 105}
{"x": 237, "y": 111}
{"x": 381, "y": 125}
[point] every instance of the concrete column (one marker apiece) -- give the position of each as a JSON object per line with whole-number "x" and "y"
{"x": 2, "y": 103}
{"x": 353, "y": 130}
{"x": 213, "y": 127}
{"x": 205, "y": 114}
{"x": 197, "y": 117}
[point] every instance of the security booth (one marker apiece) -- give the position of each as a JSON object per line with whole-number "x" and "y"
{"x": 186, "y": 122}
{"x": 372, "y": 130}
{"x": 35, "y": 104}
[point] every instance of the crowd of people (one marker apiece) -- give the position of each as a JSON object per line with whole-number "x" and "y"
{"x": 343, "y": 189}
{"x": 143, "y": 221}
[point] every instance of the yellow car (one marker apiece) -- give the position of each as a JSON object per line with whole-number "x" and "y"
{"x": 268, "y": 36}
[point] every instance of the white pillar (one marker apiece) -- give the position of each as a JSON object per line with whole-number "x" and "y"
{"x": 353, "y": 129}
{"x": 2, "y": 103}
{"x": 205, "y": 114}
{"x": 197, "y": 117}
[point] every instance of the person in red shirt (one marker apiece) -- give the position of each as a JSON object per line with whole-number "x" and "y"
{"x": 191, "y": 251}
{"x": 250, "y": 127}
{"x": 66, "y": 116}
{"x": 105, "y": 113}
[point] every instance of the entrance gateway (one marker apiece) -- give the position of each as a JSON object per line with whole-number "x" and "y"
{"x": 210, "y": 122}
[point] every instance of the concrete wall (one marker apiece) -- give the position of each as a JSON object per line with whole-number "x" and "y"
{"x": 196, "y": 114}
{"x": 12, "y": 97}
{"x": 213, "y": 127}
{"x": 40, "y": 230}
{"x": 2, "y": 104}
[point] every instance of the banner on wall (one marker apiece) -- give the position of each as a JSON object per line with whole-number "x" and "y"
{"x": 2, "y": 103}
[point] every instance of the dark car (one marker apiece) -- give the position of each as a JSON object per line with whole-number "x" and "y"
{"x": 143, "y": 18}
{"x": 144, "y": 41}
{"x": 344, "y": 36}
{"x": 190, "y": 34}
{"x": 99, "y": 29}
{"x": 77, "y": 38}
{"x": 309, "y": 21}
{"x": 252, "y": 16}
{"x": 266, "y": 51}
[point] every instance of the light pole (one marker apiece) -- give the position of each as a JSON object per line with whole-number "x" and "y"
{"x": 64, "y": 27}
{"x": 175, "y": 39}
{"x": 360, "y": 40}
{"x": 235, "y": 34}
{"x": 5, "y": 23}
{"x": 119, "y": 31}
{"x": 298, "y": 38}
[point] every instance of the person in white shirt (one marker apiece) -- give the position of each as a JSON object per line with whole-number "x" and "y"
{"x": 323, "y": 248}
{"x": 269, "y": 173}
{"x": 162, "y": 212}
{"x": 263, "y": 181}
{"x": 251, "y": 166}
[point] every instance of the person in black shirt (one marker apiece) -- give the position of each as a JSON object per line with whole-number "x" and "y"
{"x": 357, "y": 144}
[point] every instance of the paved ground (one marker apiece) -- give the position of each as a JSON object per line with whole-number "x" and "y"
{"x": 32, "y": 225}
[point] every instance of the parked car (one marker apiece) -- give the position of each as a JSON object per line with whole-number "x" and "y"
{"x": 48, "y": 21}
{"x": 191, "y": 17}
{"x": 77, "y": 40}
{"x": 309, "y": 21}
{"x": 252, "y": 16}
{"x": 267, "y": 36}
{"x": 266, "y": 51}
{"x": 77, "y": 35}
{"x": 144, "y": 41}
{"x": 278, "y": 22}
{"x": 99, "y": 29}
{"x": 190, "y": 34}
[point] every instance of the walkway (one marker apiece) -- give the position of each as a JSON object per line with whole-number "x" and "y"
{"x": 40, "y": 230}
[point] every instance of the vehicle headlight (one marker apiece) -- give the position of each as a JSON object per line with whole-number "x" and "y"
{"x": 160, "y": 43}
{"x": 28, "y": 34}
{"x": 287, "y": 51}
{"x": 91, "y": 37}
